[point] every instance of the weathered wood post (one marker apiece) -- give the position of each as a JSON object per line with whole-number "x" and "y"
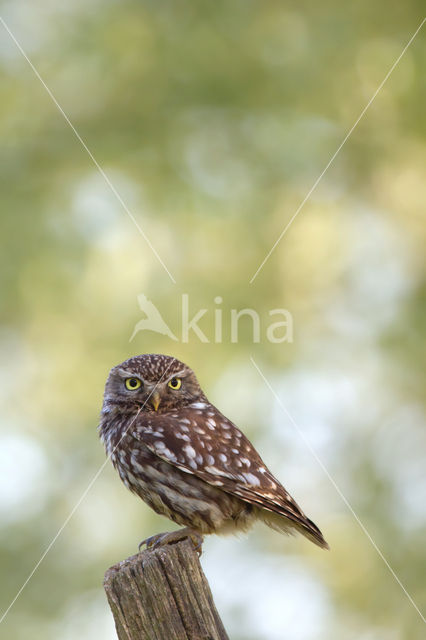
{"x": 163, "y": 595}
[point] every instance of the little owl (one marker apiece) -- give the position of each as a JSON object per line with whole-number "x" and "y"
{"x": 185, "y": 459}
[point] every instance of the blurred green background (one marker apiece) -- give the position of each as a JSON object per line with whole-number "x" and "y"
{"x": 213, "y": 121}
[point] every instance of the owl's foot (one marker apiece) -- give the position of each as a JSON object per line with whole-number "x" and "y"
{"x": 171, "y": 537}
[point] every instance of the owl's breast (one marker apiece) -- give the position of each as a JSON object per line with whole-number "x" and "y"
{"x": 112, "y": 430}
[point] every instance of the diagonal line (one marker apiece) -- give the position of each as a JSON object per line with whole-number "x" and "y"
{"x": 76, "y": 506}
{"x": 323, "y": 467}
{"x": 333, "y": 157}
{"x": 89, "y": 153}
{"x": 79, "y": 501}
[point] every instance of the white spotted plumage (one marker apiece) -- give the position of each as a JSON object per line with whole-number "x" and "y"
{"x": 186, "y": 459}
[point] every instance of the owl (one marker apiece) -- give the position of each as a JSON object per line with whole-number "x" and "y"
{"x": 185, "y": 459}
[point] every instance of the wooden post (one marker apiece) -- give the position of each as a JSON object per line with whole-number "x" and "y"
{"x": 163, "y": 595}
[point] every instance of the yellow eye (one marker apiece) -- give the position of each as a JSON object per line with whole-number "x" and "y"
{"x": 132, "y": 384}
{"x": 175, "y": 383}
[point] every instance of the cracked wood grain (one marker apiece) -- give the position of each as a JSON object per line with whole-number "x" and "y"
{"x": 163, "y": 595}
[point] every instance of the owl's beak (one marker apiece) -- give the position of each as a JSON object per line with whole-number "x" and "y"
{"x": 155, "y": 400}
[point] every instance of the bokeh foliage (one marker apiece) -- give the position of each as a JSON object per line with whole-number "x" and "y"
{"x": 213, "y": 121}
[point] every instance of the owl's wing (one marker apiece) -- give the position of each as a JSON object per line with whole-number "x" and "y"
{"x": 203, "y": 442}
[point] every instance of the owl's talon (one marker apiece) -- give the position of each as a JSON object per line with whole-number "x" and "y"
{"x": 197, "y": 540}
{"x": 172, "y": 537}
{"x": 150, "y": 542}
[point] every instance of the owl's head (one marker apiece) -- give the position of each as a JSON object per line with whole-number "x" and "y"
{"x": 152, "y": 382}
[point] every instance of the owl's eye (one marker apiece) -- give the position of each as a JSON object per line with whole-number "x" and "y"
{"x": 175, "y": 383}
{"x": 132, "y": 383}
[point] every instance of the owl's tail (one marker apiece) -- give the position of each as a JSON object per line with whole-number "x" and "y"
{"x": 301, "y": 524}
